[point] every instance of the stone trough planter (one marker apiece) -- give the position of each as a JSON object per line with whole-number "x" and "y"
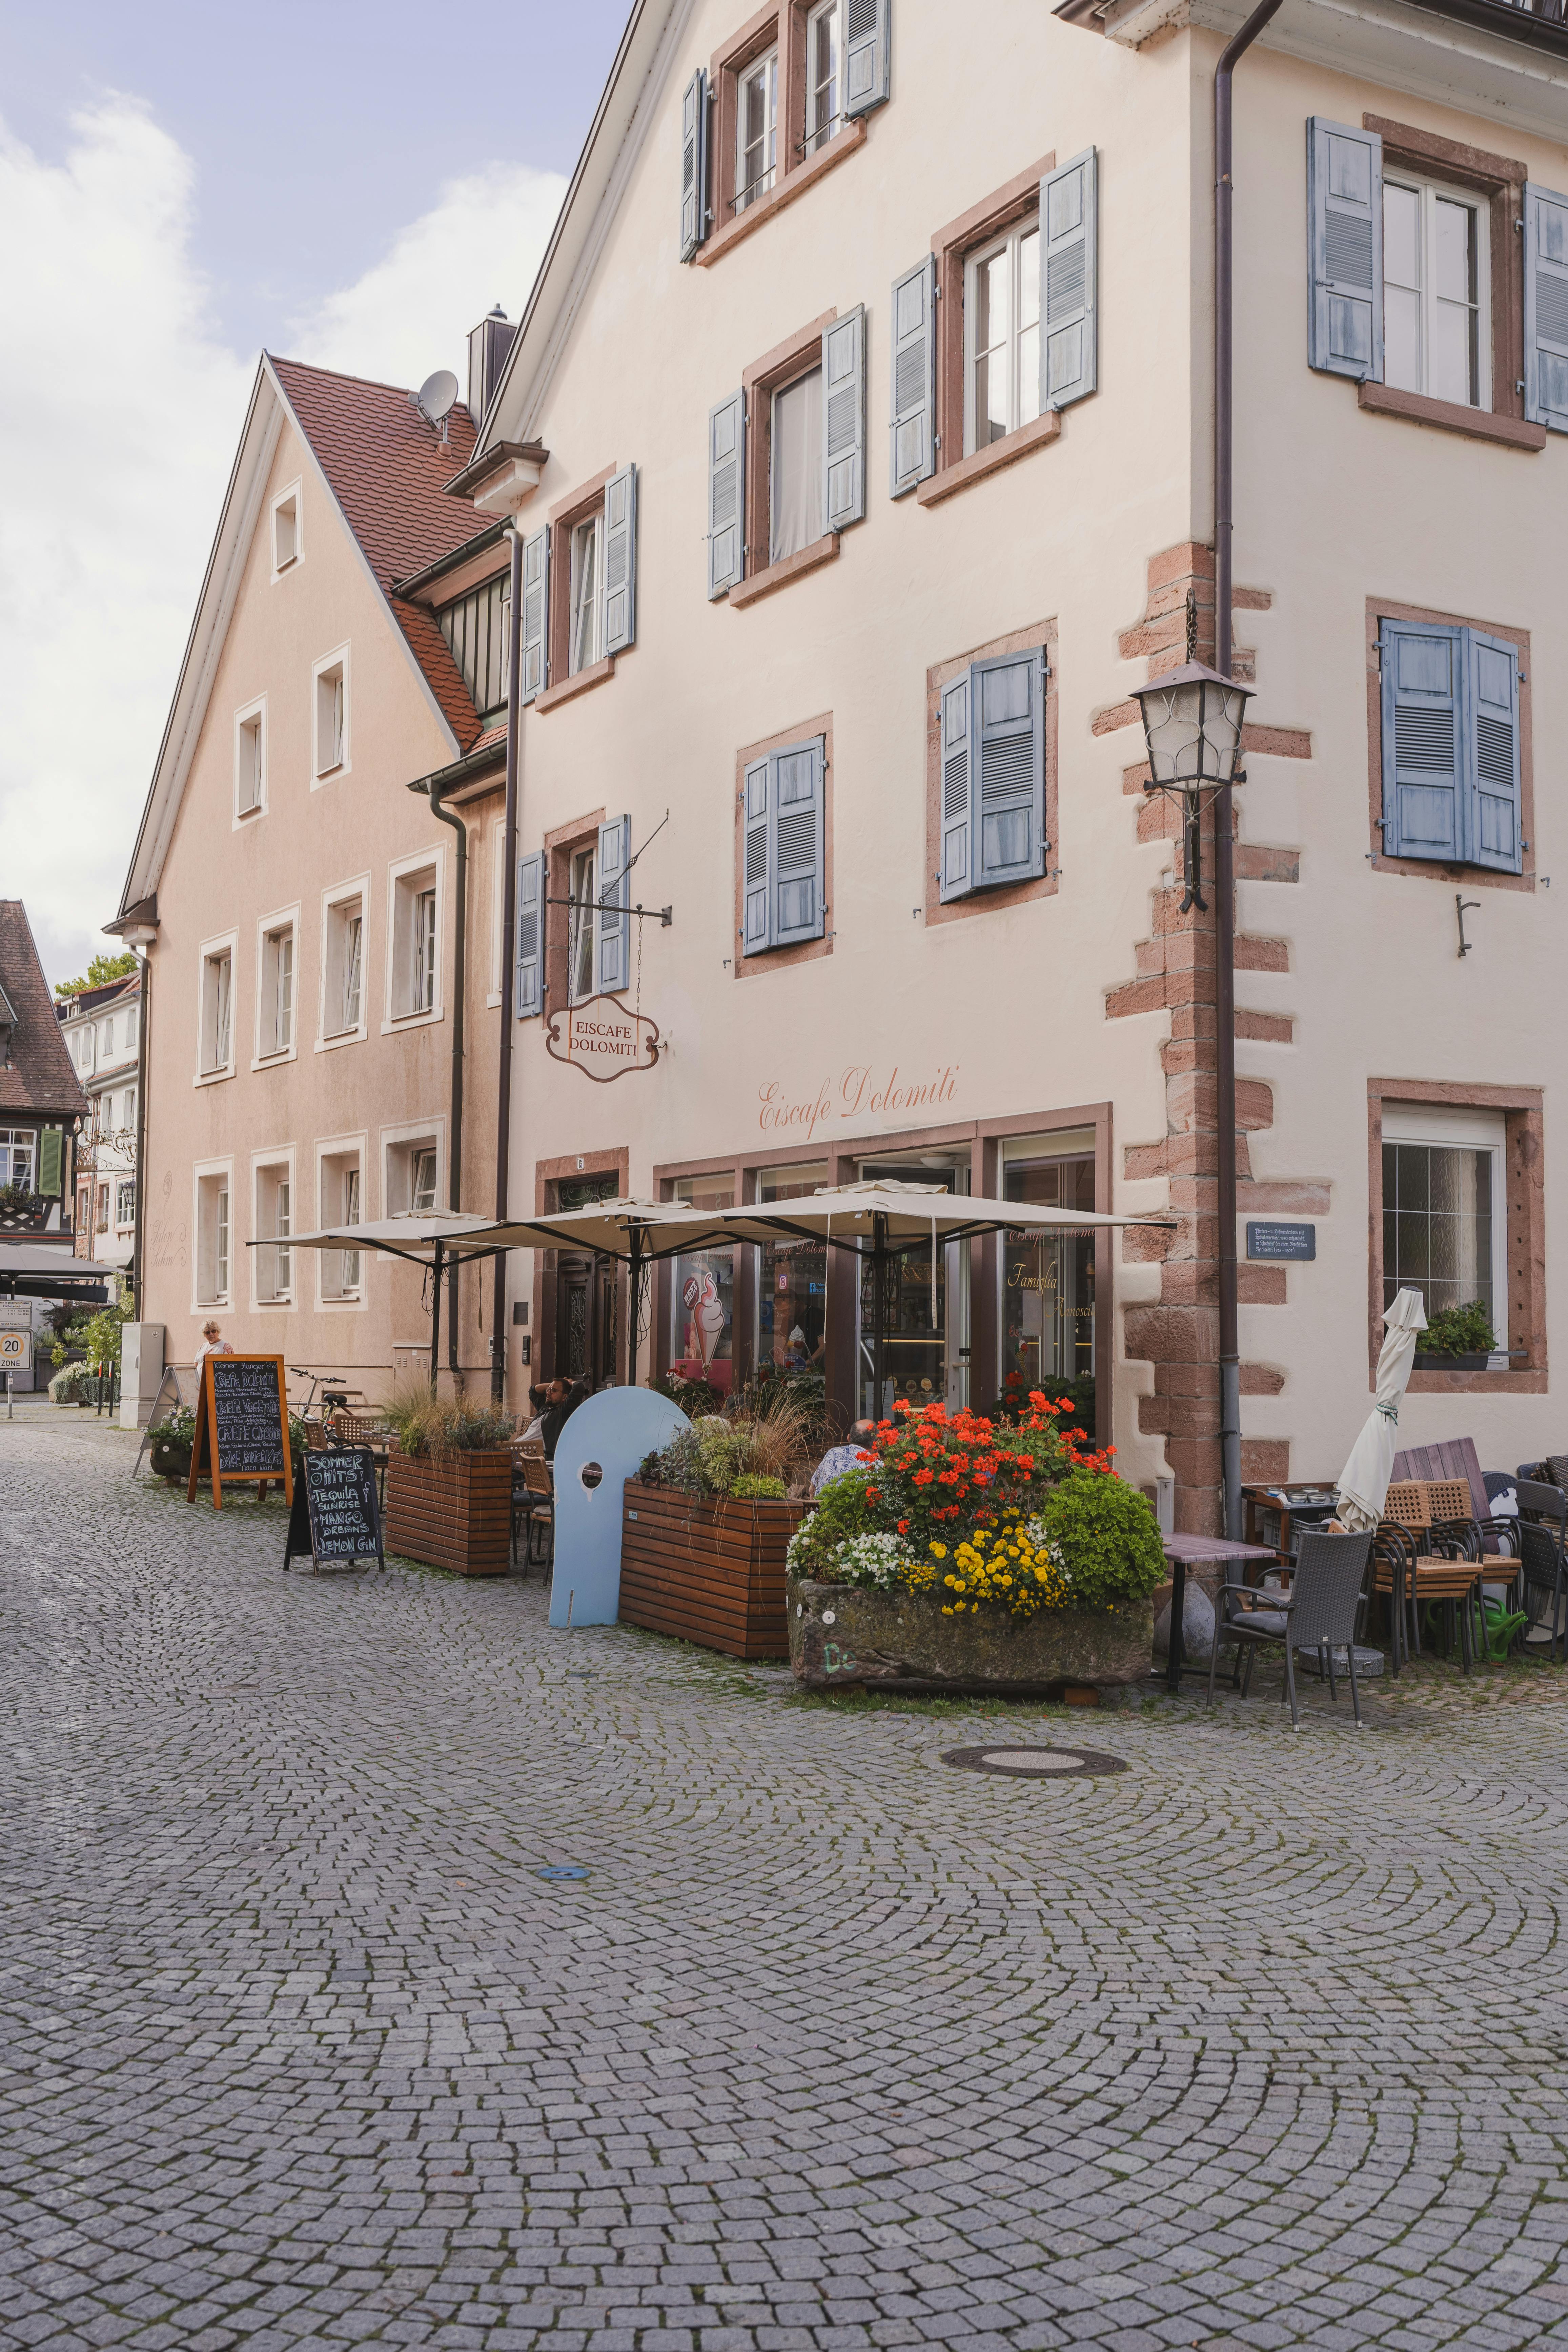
{"x": 841, "y": 1635}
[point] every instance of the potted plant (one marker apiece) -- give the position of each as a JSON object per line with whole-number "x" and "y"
{"x": 1458, "y": 1339}
{"x": 449, "y": 1481}
{"x": 706, "y": 1526}
{"x": 23, "y": 1211}
{"x": 169, "y": 1444}
{"x": 972, "y": 1556}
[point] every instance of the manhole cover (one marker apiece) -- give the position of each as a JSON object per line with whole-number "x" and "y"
{"x": 1034, "y": 1763}
{"x": 561, "y": 1870}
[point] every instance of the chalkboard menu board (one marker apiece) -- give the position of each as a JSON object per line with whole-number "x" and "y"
{"x": 242, "y": 1425}
{"x": 335, "y": 1514}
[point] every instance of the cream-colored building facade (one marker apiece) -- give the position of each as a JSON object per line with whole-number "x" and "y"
{"x": 296, "y": 900}
{"x": 861, "y": 718}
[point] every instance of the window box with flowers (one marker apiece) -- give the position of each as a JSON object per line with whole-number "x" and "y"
{"x": 968, "y": 1556}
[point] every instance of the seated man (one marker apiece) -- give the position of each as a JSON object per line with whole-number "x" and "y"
{"x": 558, "y": 1409}
{"x": 850, "y": 1455}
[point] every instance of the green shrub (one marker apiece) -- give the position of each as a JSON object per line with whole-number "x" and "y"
{"x": 755, "y": 1487}
{"x": 74, "y": 1384}
{"x": 1107, "y": 1539}
{"x": 1460, "y": 1331}
{"x": 842, "y": 1513}
{"x": 432, "y": 1427}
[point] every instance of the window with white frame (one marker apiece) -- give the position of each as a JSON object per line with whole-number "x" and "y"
{"x": 339, "y": 1205}
{"x": 796, "y": 515}
{"x": 211, "y": 1239}
{"x": 756, "y": 129}
{"x": 127, "y": 1111}
{"x": 342, "y": 967}
{"x": 274, "y": 1225}
{"x": 824, "y": 74}
{"x": 1445, "y": 1220}
{"x": 130, "y": 1025}
{"x": 1001, "y": 336}
{"x": 331, "y": 680}
{"x": 18, "y": 1156}
{"x": 125, "y": 1204}
{"x": 250, "y": 760}
{"x": 415, "y": 943}
{"x": 218, "y": 1011}
{"x": 1436, "y": 300}
{"x": 286, "y": 540}
{"x": 587, "y": 555}
{"x": 107, "y": 1038}
{"x": 413, "y": 1176}
{"x": 581, "y": 916}
{"x": 277, "y": 1005}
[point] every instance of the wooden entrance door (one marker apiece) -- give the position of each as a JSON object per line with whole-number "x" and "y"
{"x": 586, "y": 1304}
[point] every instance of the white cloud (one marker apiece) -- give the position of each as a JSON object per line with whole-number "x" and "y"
{"x": 120, "y": 410}
{"x": 411, "y": 312}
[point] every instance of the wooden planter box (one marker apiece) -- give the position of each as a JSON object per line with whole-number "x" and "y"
{"x": 708, "y": 1572}
{"x": 453, "y": 1514}
{"x": 839, "y": 1635}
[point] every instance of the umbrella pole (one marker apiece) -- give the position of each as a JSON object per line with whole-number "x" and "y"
{"x": 879, "y": 1309}
{"x": 633, "y": 1291}
{"x": 436, "y": 1317}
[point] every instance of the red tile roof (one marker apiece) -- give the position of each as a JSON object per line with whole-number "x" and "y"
{"x": 387, "y": 468}
{"x": 40, "y": 1075}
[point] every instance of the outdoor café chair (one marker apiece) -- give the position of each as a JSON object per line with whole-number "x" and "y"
{"x": 1443, "y": 1549}
{"x": 1319, "y": 1612}
{"x": 532, "y": 1503}
{"x": 1542, "y": 1528}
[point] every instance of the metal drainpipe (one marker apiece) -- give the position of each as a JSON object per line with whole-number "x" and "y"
{"x": 138, "y": 1304}
{"x": 455, "y": 818}
{"x": 1225, "y": 860}
{"x": 508, "y": 950}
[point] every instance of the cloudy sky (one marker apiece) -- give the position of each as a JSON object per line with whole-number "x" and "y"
{"x": 182, "y": 183}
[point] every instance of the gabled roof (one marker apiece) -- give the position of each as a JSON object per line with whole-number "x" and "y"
{"x": 38, "y": 1074}
{"x": 88, "y": 1000}
{"x": 385, "y": 470}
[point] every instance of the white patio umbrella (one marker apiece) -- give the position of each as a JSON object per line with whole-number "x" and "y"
{"x": 1364, "y": 1482}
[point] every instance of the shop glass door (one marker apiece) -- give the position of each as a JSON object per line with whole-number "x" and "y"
{"x": 925, "y": 1346}
{"x": 792, "y": 1286}
{"x": 1047, "y": 1285}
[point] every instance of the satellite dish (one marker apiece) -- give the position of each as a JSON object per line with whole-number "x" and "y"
{"x": 435, "y": 395}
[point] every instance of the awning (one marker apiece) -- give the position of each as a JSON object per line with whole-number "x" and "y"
{"x": 34, "y": 1269}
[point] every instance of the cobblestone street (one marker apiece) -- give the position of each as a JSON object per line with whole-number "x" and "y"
{"x": 1259, "y": 2043}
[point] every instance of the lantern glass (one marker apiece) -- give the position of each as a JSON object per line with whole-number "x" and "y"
{"x": 1192, "y": 722}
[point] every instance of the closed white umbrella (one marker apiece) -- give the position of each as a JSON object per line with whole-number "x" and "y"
{"x": 1364, "y": 1482}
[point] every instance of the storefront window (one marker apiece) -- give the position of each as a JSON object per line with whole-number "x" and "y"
{"x": 1047, "y": 1286}
{"x": 702, "y": 1295}
{"x": 792, "y": 1282}
{"x": 923, "y": 1361}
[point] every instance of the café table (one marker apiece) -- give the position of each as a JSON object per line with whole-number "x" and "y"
{"x": 1186, "y": 1551}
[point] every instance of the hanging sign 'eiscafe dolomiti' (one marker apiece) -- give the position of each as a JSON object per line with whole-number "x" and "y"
{"x": 603, "y": 1038}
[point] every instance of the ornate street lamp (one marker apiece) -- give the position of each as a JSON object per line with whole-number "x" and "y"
{"x": 1191, "y": 725}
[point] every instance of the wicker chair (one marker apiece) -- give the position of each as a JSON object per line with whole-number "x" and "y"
{"x": 532, "y": 1504}
{"x": 1319, "y": 1612}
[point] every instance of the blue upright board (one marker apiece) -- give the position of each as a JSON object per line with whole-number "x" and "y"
{"x": 612, "y": 1430}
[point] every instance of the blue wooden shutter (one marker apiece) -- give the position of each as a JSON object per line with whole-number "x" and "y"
{"x": 535, "y": 614}
{"x": 612, "y": 929}
{"x": 915, "y": 376}
{"x": 1423, "y": 759}
{"x": 1344, "y": 245}
{"x": 957, "y": 878}
{"x": 726, "y": 493}
{"x": 619, "y": 613}
{"x": 795, "y": 843}
{"x": 1069, "y": 318}
{"x": 1546, "y": 307}
{"x": 530, "y": 935}
{"x": 867, "y": 43}
{"x": 1492, "y": 732}
{"x": 694, "y": 164}
{"x": 755, "y": 891}
{"x": 844, "y": 420}
{"x": 1007, "y": 769}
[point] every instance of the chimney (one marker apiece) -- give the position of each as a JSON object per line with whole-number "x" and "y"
{"x": 489, "y": 344}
